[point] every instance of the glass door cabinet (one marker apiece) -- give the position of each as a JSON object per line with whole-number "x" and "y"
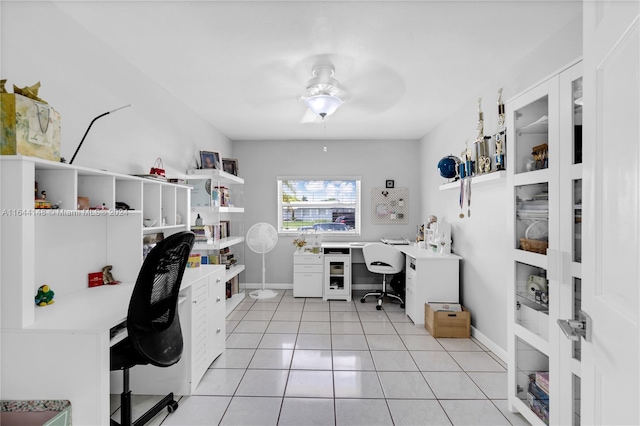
{"x": 544, "y": 200}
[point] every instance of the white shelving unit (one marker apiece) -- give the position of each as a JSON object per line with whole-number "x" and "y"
{"x": 226, "y": 207}
{"x": 66, "y": 243}
{"x": 544, "y": 199}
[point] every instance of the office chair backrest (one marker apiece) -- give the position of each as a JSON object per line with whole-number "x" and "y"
{"x": 383, "y": 258}
{"x": 152, "y": 321}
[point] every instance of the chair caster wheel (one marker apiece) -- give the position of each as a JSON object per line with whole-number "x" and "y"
{"x": 362, "y": 300}
{"x": 378, "y": 307}
{"x": 402, "y": 305}
{"x": 173, "y": 406}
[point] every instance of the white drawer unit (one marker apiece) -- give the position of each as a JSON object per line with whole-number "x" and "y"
{"x": 307, "y": 274}
{"x": 216, "y": 317}
{"x": 410, "y": 304}
{"x": 199, "y": 328}
{"x": 430, "y": 278}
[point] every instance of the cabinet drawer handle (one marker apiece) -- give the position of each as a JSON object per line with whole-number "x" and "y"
{"x": 218, "y": 279}
{"x": 218, "y": 299}
{"x": 218, "y": 330}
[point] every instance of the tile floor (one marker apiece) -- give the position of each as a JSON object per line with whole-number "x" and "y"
{"x": 307, "y": 362}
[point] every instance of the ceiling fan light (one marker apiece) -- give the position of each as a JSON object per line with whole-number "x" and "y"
{"x": 323, "y": 105}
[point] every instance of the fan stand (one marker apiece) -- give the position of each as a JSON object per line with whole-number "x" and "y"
{"x": 263, "y": 293}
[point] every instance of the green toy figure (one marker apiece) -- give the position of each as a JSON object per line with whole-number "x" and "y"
{"x": 44, "y": 296}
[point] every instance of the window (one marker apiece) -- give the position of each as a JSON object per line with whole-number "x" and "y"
{"x": 327, "y": 205}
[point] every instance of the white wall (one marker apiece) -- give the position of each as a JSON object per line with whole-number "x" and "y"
{"x": 260, "y": 162}
{"x": 82, "y": 78}
{"x": 481, "y": 238}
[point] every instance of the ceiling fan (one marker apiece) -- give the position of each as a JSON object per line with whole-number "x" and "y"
{"x": 323, "y": 93}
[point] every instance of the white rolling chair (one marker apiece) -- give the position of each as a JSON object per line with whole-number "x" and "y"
{"x": 383, "y": 259}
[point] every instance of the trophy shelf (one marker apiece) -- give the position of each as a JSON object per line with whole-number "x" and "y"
{"x": 485, "y": 178}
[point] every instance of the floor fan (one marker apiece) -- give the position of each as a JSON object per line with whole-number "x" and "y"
{"x": 262, "y": 238}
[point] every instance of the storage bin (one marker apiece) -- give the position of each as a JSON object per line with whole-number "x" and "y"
{"x": 447, "y": 323}
{"x": 36, "y": 412}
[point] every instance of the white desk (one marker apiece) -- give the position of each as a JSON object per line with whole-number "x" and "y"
{"x": 65, "y": 353}
{"x": 430, "y": 277}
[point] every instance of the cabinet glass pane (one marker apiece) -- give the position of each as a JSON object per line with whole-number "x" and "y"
{"x": 532, "y": 299}
{"x": 532, "y": 379}
{"x": 577, "y": 223}
{"x": 577, "y": 121}
{"x": 577, "y": 306}
{"x": 532, "y": 218}
{"x": 336, "y": 275}
{"x": 576, "y": 400}
{"x": 532, "y": 136}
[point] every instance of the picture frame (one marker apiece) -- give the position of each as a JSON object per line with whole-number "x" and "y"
{"x": 230, "y": 165}
{"x": 210, "y": 160}
{"x": 390, "y": 183}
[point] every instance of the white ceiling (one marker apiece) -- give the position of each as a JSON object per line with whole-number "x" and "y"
{"x": 242, "y": 65}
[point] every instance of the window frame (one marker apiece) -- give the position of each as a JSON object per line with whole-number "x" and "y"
{"x": 358, "y": 207}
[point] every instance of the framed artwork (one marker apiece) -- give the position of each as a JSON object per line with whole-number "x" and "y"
{"x": 390, "y": 183}
{"x": 210, "y": 160}
{"x": 230, "y": 165}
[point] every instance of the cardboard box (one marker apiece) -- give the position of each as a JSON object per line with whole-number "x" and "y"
{"x": 447, "y": 323}
{"x": 28, "y": 127}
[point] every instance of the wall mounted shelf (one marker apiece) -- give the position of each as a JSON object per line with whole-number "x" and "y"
{"x": 492, "y": 177}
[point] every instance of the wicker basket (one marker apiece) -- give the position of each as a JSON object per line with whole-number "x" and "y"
{"x": 536, "y": 246}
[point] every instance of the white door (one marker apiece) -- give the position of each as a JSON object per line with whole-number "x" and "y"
{"x": 611, "y": 221}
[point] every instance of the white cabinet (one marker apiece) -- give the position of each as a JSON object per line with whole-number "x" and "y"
{"x": 307, "y": 274}
{"x": 216, "y": 316}
{"x": 218, "y": 199}
{"x": 337, "y": 274}
{"x": 198, "y": 341}
{"x": 429, "y": 278}
{"x": 544, "y": 199}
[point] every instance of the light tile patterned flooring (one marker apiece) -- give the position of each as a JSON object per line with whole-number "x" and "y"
{"x": 302, "y": 362}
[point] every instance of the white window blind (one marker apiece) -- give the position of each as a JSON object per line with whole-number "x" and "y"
{"x": 327, "y": 205}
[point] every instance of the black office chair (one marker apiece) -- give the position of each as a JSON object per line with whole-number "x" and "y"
{"x": 383, "y": 259}
{"x": 153, "y": 326}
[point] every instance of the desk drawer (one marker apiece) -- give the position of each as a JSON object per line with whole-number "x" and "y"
{"x": 307, "y": 259}
{"x": 308, "y": 268}
{"x": 307, "y": 284}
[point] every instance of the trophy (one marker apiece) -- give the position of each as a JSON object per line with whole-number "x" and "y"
{"x": 500, "y": 136}
{"x": 483, "y": 162}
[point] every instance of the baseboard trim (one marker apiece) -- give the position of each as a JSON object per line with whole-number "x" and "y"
{"x": 500, "y": 353}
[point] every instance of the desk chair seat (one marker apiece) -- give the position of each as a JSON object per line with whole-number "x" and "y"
{"x": 383, "y": 259}
{"x": 153, "y": 325}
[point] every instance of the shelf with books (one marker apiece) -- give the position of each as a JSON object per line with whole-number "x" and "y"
{"x": 217, "y": 218}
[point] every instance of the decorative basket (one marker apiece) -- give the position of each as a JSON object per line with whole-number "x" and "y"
{"x": 536, "y": 246}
